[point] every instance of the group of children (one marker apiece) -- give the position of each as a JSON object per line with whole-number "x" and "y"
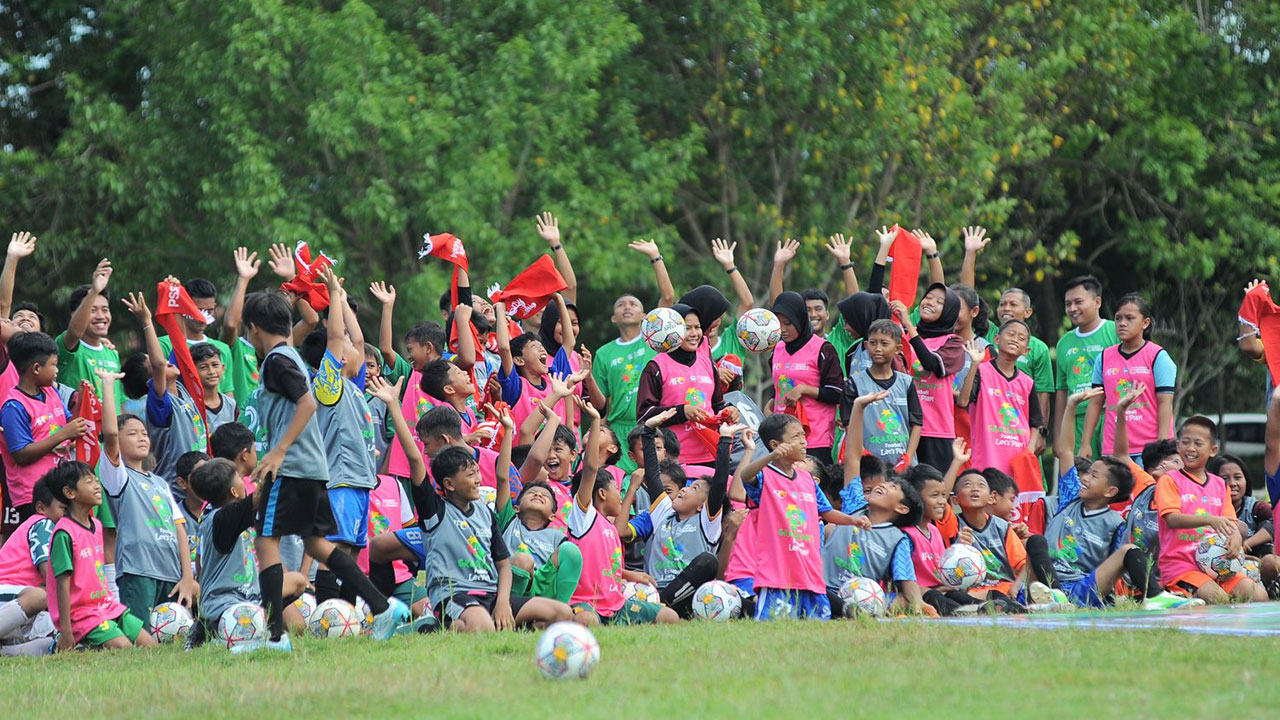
{"x": 494, "y": 477}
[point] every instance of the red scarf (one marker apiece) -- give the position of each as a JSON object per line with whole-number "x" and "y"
{"x": 88, "y": 408}
{"x": 307, "y": 283}
{"x": 1026, "y": 472}
{"x": 451, "y": 250}
{"x": 531, "y": 289}
{"x": 174, "y": 301}
{"x": 1259, "y": 312}
{"x": 904, "y": 278}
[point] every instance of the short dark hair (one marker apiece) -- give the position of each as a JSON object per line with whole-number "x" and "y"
{"x": 1120, "y": 477}
{"x": 29, "y": 307}
{"x": 911, "y": 498}
{"x": 435, "y": 375}
{"x": 427, "y": 333}
{"x": 1200, "y": 421}
{"x": 616, "y": 455}
{"x": 999, "y": 481}
{"x": 446, "y": 301}
{"x": 1217, "y": 461}
{"x": 603, "y": 480}
{"x": 41, "y": 494}
{"x": 565, "y": 435}
{"x": 212, "y": 481}
{"x": 200, "y": 289}
{"x": 816, "y": 294}
{"x": 203, "y": 351}
{"x": 884, "y": 326}
{"x": 772, "y": 428}
{"x": 519, "y": 342}
{"x": 269, "y": 312}
{"x": 1016, "y": 321}
{"x": 187, "y": 462}
{"x": 922, "y": 475}
{"x": 1154, "y": 453}
{"x": 137, "y": 373}
{"x": 439, "y": 421}
{"x": 520, "y": 453}
{"x": 541, "y": 484}
{"x": 871, "y": 466}
{"x": 670, "y": 443}
{"x": 371, "y": 352}
{"x": 80, "y": 293}
{"x": 449, "y": 461}
{"x": 673, "y": 470}
{"x": 129, "y": 417}
{"x": 313, "y": 347}
{"x": 28, "y": 348}
{"x": 1088, "y": 282}
{"x": 229, "y": 440}
{"x": 64, "y": 476}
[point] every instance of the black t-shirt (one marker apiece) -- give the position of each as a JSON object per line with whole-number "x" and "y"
{"x": 281, "y": 375}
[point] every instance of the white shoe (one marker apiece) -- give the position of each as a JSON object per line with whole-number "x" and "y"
{"x": 386, "y": 622}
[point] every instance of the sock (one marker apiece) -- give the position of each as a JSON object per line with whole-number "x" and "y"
{"x": 271, "y": 584}
{"x": 342, "y": 565}
{"x": 12, "y": 617}
{"x": 110, "y": 572}
{"x": 326, "y": 586}
{"x": 678, "y": 594}
{"x": 1139, "y": 569}
{"x": 383, "y": 577}
{"x": 31, "y": 648}
{"x": 569, "y": 572}
{"x": 1038, "y": 558}
{"x": 940, "y": 602}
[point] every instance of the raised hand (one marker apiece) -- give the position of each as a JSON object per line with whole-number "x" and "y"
{"x": 247, "y": 263}
{"x": 383, "y": 390}
{"x": 840, "y": 248}
{"x": 727, "y": 430}
{"x": 975, "y": 350}
{"x": 101, "y": 275}
{"x": 886, "y": 235}
{"x": 786, "y": 251}
{"x": 22, "y": 244}
{"x": 975, "y": 239}
{"x": 1084, "y": 396}
{"x": 960, "y": 452}
{"x": 282, "y": 261}
{"x": 661, "y": 418}
{"x": 862, "y": 401}
{"x": 588, "y": 410}
{"x": 749, "y": 442}
{"x": 548, "y": 228}
{"x": 560, "y": 385}
{"x": 383, "y": 292}
{"x": 722, "y": 251}
{"x": 1247, "y": 288}
{"x": 928, "y": 245}
{"x": 647, "y": 248}
{"x": 1133, "y": 393}
{"x": 137, "y": 305}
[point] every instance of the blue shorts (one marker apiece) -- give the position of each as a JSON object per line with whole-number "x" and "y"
{"x": 746, "y": 586}
{"x": 350, "y": 508}
{"x": 411, "y": 537}
{"x": 772, "y": 603}
{"x": 1084, "y": 592}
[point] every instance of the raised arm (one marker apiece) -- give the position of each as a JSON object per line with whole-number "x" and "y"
{"x": 110, "y": 423}
{"x": 975, "y": 241}
{"x": 504, "y": 338}
{"x": 884, "y": 238}
{"x": 541, "y": 444}
{"x": 390, "y": 395}
{"x": 666, "y": 291}
{"x": 156, "y": 356}
{"x": 503, "y": 467}
{"x": 1064, "y": 443}
{"x": 549, "y": 230}
{"x": 467, "y": 354}
{"x": 1249, "y": 342}
{"x": 80, "y": 318}
{"x": 975, "y": 351}
{"x": 386, "y": 295}
{"x": 929, "y": 247}
{"x": 1120, "y": 437}
{"x": 842, "y": 251}
{"x": 785, "y": 253}
{"x": 568, "y": 338}
{"x": 21, "y": 245}
{"x": 335, "y": 330}
{"x": 590, "y": 463}
{"x": 745, "y": 299}
{"x": 853, "y": 434}
{"x": 247, "y": 265}
{"x": 1271, "y": 455}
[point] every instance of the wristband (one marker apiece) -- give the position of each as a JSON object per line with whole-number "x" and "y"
{"x": 731, "y": 270}
{"x": 656, "y": 260}
{"x": 932, "y": 256}
{"x": 846, "y": 266}
{"x": 556, "y": 247}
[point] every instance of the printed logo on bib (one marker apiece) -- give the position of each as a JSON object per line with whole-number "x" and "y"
{"x": 853, "y": 557}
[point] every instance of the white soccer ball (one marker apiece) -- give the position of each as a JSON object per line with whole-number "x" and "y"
{"x": 962, "y": 566}
{"x": 662, "y": 329}
{"x": 365, "y": 615}
{"x": 566, "y": 650}
{"x": 169, "y": 621}
{"x": 717, "y": 600}
{"x": 489, "y": 496}
{"x": 334, "y": 618}
{"x": 1252, "y": 569}
{"x": 759, "y": 330}
{"x": 1214, "y": 558}
{"x": 306, "y": 605}
{"x": 644, "y": 592}
{"x": 863, "y": 596}
{"x": 242, "y": 623}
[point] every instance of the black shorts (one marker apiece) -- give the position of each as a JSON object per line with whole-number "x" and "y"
{"x": 15, "y": 515}
{"x": 451, "y": 609}
{"x": 294, "y": 506}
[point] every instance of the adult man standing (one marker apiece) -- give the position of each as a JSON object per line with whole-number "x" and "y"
{"x": 1078, "y": 350}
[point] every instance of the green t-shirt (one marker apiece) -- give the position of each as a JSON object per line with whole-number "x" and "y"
{"x": 401, "y": 368}
{"x": 228, "y": 383}
{"x": 728, "y": 342}
{"x": 1076, "y": 355}
{"x": 61, "y": 555}
{"x": 82, "y": 364}
{"x": 841, "y": 340}
{"x": 1035, "y": 363}
{"x": 616, "y": 368}
{"x": 243, "y": 370}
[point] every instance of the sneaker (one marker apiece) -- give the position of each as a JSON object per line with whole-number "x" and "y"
{"x": 1040, "y": 594}
{"x": 1169, "y": 601}
{"x": 245, "y": 648}
{"x": 284, "y": 644}
{"x": 386, "y": 622}
{"x": 196, "y": 637}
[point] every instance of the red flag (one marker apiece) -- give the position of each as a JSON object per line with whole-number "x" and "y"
{"x": 1259, "y": 312}
{"x": 307, "y": 283}
{"x": 89, "y": 409}
{"x": 1030, "y": 509}
{"x": 904, "y": 278}
{"x": 531, "y": 289}
{"x": 174, "y": 301}
{"x": 450, "y": 249}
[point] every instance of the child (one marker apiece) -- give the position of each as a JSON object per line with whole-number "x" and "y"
{"x": 1003, "y": 404}
{"x": 293, "y": 473}
{"x": 173, "y": 419}
{"x": 382, "y": 431}
{"x": 204, "y": 295}
{"x": 82, "y": 606}
{"x": 152, "y": 550}
{"x": 228, "y": 564}
{"x": 526, "y": 378}
{"x": 994, "y": 537}
{"x": 448, "y": 384}
{"x": 85, "y": 348}
{"x": 598, "y": 597}
{"x": 441, "y": 427}
{"x": 788, "y": 578}
{"x": 243, "y": 366}
{"x": 35, "y": 424}
{"x": 807, "y": 378}
{"x": 1256, "y": 526}
{"x": 1189, "y": 500}
{"x": 683, "y": 527}
{"x": 879, "y": 549}
{"x": 219, "y": 407}
{"x": 890, "y": 426}
{"x": 191, "y": 505}
{"x": 25, "y": 627}
{"x": 937, "y": 355}
{"x": 1135, "y": 360}
{"x": 928, "y": 541}
{"x": 1142, "y": 516}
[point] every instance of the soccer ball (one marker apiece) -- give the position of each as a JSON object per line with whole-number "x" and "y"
{"x": 334, "y": 618}
{"x": 1213, "y": 557}
{"x": 643, "y": 592}
{"x": 170, "y": 620}
{"x": 1252, "y": 569}
{"x": 862, "y": 595}
{"x": 662, "y": 329}
{"x": 717, "y": 600}
{"x": 242, "y": 623}
{"x": 566, "y": 650}
{"x": 962, "y": 566}
{"x": 759, "y": 330}
{"x": 306, "y": 605}
{"x": 365, "y": 615}
{"x": 489, "y": 496}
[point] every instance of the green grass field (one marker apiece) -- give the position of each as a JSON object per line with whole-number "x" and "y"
{"x": 745, "y": 670}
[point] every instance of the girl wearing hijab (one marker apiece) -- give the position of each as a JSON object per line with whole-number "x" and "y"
{"x": 685, "y": 378}
{"x": 807, "y": 379}
{"x": 938, "y": 354}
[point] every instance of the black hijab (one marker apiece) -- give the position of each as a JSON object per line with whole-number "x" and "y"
{"x": 679, "y": 354}
{"x": 790, "y": 305}
{"x": 861, "y": 309}
{"x": 708, "y": 303}
{"x": 547, "y": 330}
{"x": 946, "y": 322}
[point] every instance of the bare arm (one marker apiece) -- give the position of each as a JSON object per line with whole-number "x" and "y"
{"x": 549, "y": 230}
{"x": 1091, "y": 416}
{"x": 308, "y": 319}
{"x": 975, "y": 241}
{"x": 590, "y": 465}
{"x": 335, "y": 330}
{"x": 155, "y": 353}
{"x": 1164, "y": 415}
{"x": 466, "y": 341}
{"x": 80, "y": 318}
{"x": 541, "y": 444}
{"x": 270, "y": 463}
{"x": 21, "y": 245}
{"x": 503, "y": 467}
{"x": 666, "y": 292}
{"x": 385, "y": 294}
{"x": 740, "y": 288}
{"x": 785, "y": 253}
{"x": 390, "y": 396}
{"x": 841, "y": 250}
{"x": 567, "y": 337}
{"x": 1064, "y": 443}
{"x": 247, "y": 265}
{"x": 504, "y": 338}
{"x": 929, "y": 247}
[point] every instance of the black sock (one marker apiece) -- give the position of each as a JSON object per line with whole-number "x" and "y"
{"x": 347, "y": 593}
{"x": 960, "y": 597}
{"x": 326, "y": 585}
{"x": 342, "y": 565}
{"x": 271, "y": 584}
{"x": 1138, "y": 565}
{"x": 678, "y": 593}
{"x": 383, "y": 576}
{"x": 940, "y": 602}
{"x": 1038, "y": 558}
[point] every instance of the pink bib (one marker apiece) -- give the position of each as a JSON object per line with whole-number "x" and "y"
{"x": 1001, "y": 424}
{"x": 530, "y": 396}
{"x": 742, "y": 558}
{"x": 384, "y": 517}
{"x": 601, "y": 581}
{"x": 48, "y": 416}
{"x": 1178, "y": 547}
{"x": 802, "y": 369}
{"x": 1142, "y": 419}
{"x": 925, "y": 554}
{"x": 937, "y": 400}
{"x": 688, "y": 385}
{"x": 413, "y": 405}
{"x": 91, "y": 601}
{"x": 15, "y": 558}
{"x": 789, "y": 540}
